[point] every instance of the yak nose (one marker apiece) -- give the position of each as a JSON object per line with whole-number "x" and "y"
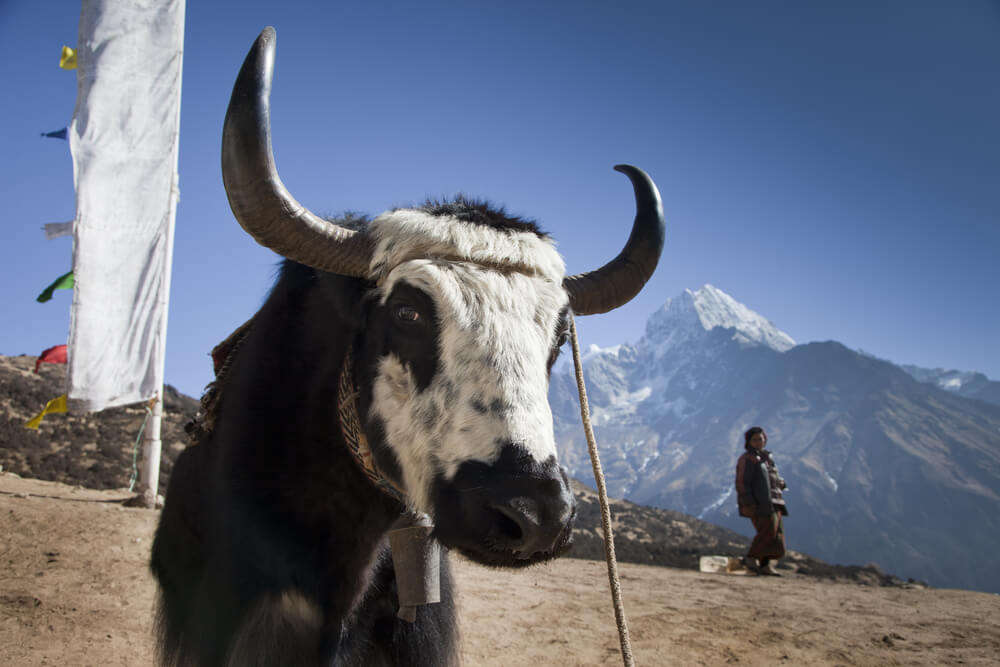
{"x": 529, "y": 504}
{"x": 528, "y": 525}
{"x": 515, "y": 510}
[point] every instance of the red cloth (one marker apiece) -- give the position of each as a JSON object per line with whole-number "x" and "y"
{"x": 769, "y": 542}
{"x": 54, "y": 355}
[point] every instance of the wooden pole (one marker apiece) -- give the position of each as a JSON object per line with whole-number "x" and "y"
{"x": 149, "y": 474}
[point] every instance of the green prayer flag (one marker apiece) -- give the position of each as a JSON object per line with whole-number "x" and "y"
{"x": 64, "y": 281}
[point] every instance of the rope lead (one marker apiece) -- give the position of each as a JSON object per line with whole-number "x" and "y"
{"x": 602, "y": 493}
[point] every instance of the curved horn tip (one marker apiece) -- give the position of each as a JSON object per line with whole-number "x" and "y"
{"x": 636, "y": 174}
{"x": 260, "y": 57}
{"x": 263, "y": 45}
{"x": 646, "y": 193}
{"x": 268, "y": 34}
{"x": 254, "y": 78}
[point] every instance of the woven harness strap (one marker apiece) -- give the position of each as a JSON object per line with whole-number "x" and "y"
{"x": 354, "y": 435}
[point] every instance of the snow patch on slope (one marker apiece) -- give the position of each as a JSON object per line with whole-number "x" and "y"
{"x": 717, "y": 503}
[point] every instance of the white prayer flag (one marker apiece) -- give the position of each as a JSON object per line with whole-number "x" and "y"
{"x": 124, "y": 140}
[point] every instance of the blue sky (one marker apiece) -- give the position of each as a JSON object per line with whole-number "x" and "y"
{"x": 833, "y": 167}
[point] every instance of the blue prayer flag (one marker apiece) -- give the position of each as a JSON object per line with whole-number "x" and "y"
{"x": 57, "y": 134}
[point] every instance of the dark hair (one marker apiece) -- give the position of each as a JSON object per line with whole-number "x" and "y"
{"x": 751, "y": 432}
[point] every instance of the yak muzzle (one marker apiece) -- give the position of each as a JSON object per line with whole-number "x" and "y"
{"x": 514, "y": 512}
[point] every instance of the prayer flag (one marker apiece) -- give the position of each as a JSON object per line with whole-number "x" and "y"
{"x": 53, "y": 406}
{"x": 53, "y": 355}
{"x": 67, "y": 60}
{"x": 56, "y": 134}
{"x": 124, "y": 142}
{"x": 54, "y": 230}
{"x": 65, "y": 281}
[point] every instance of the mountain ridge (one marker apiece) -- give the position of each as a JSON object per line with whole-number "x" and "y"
{"x": 881, "y": 467}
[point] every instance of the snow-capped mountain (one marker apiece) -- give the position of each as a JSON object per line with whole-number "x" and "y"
{"x": 691, "y": 314}
{"x": 964, "y": 383}
{"x": 876, "y": 461}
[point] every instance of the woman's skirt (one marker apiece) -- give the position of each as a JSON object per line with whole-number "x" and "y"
{"x": 768, "y": 542}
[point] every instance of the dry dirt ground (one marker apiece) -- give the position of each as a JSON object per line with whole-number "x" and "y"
{"x": 74, "y": 590}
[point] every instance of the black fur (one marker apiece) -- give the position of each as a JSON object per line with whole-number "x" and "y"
{"x": 272, "y": 503}
{"x": 482, "y": 213}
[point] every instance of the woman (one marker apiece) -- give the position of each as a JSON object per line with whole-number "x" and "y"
{"x": 758, "y": 492}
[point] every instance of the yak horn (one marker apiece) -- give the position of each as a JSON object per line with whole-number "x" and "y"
{"x": 615, "y": 283}
{"x": 259, "y": 200}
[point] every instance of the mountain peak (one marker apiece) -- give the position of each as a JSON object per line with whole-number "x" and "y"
{"x": 693, "y": 312}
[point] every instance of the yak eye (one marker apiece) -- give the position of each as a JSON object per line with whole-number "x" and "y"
{"x": 562, "y": 338}
{"x": 407, "y": 314}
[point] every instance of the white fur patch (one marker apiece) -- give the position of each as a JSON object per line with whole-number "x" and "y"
{"x": 408, "y": 234}
{"x": 496, "y": 330}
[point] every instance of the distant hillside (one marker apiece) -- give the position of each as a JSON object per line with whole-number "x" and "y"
{"x": 96, "y": 450}
{"x": 91, "y": 450}
{"x": 964, "y": 383}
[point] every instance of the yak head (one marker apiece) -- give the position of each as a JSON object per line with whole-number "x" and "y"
{"x": 464, "y": 311}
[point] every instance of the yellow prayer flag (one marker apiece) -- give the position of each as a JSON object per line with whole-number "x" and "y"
{"x": 68, "y": 58}
{"x": 55, "y": 405}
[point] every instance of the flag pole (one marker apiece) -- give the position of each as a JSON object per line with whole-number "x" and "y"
{"x": 149, "y": 477}
{"x": 149, "y": 474}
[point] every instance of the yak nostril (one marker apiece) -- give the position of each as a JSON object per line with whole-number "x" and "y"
{"x": 507, "y": 527}
{"x": 517, "y": 520}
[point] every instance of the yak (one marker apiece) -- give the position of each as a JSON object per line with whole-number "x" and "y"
{"x": 398, "y": 370}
